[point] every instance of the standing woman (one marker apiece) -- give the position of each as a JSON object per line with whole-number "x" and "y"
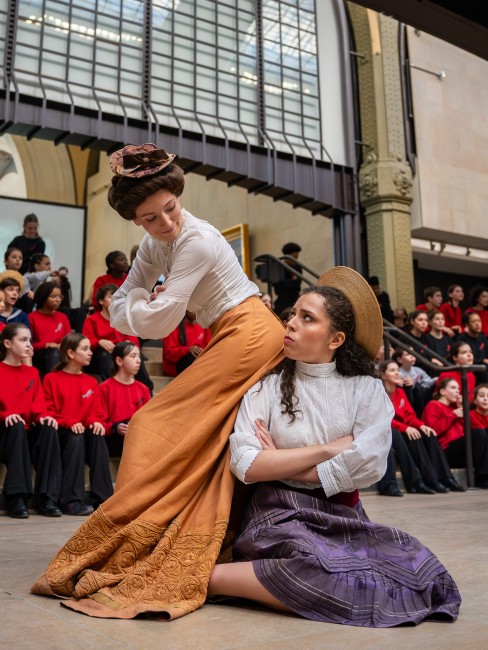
{"x": 29, "y": 242}
{"x": 48, "y": 326}
{"x": 174, "y": 486}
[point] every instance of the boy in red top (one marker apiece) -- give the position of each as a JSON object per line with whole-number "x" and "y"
{"x": 48, "y": 326}
{"x": 433, "y": 299}
{"x": 25, "y": 425}
{"x": 452, "y": 310}
{"x": 122, "y": 395}
{"x": 184, "y": 345}
{"x": 117, "y": 268}
{"x": 73, "y": 398}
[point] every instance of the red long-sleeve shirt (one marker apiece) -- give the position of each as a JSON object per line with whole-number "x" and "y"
{"x": 455, "y": 374}
{"x": 97, "y": 327}
{"x": 452, "y": 315}
{"x": 444, "y": 421}
{"x": 478, "y": 420}
{"x": 120, "y": 401}
{"x": 3, "y": 326}
{"x": 48, "y": 328}
{"x": 105, "y": 279}
{"x": 72, "y": 398}
{"x": 405, "y": 416}
{"x": 21, "y": 393}
{"x": 173, "y": 350}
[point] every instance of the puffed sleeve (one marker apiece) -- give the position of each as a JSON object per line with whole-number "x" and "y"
{"x": 131, "y": 313}
{"x": 244, "y": 446}
{"x": 365, "y": 462}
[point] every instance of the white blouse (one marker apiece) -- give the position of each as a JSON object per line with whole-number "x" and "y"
{"x": 204, "y": 277}
{"x": 331, "y": 406}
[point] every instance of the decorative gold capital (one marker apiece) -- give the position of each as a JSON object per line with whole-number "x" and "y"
{"x": 385, "y": 180}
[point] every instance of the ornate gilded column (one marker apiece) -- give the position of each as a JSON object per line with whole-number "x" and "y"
{"x": 385, "y": 177}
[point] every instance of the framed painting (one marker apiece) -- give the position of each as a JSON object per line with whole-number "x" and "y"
{"x": 238, "y": 238}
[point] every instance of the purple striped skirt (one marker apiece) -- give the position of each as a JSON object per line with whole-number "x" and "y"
{"x": 327, "y": 562}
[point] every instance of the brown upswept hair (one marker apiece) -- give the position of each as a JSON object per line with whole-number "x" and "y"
{"x": 126, "y": 194}
{"x": 351, "y": 360}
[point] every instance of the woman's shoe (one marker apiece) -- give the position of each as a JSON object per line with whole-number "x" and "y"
{"x": 421, "y": 488}
{"x": 17, "y": 508}
{"x": 77, "y": 508}
{"x": 451, "y": 483}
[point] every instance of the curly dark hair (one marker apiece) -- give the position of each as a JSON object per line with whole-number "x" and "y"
{"x": 43, "y": 292}
{"x": 351, "y": 360}
{"x": 126, "y": 194}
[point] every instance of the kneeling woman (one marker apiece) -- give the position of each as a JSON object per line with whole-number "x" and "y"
{"x": 309, "y": 435}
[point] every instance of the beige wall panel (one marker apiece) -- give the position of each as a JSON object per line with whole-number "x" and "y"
{"x": 451, "y": 128}
{"x": 271, "y": 224}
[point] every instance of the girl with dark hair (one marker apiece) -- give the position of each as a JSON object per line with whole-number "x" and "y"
{"x": 48, "y": 326}
{"x": 117, "y": 267}
{"x": 452, "y": 309}
{"x": 29, "y": 242}
{"x": 446, "y": 415}
{"x": 73, "y": 398}
{"x": 103, "y": 338}
{"x": 460, "y": 354}
{"x": 174, "y": 486}
{"x": 311, "y": 433}
{"x": 27, "y": 431}
{"x": 478, "y": 301}
{"x": 420, "y": 438}
{"x": 122, "y": 395}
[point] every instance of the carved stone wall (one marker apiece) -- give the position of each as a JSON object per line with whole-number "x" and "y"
{"x": 385, "y": 177}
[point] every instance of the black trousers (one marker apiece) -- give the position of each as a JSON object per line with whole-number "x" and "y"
{"x": 399, "y": 454}
{"x": 76, "y": 450}
{"x": 428, "y": 456}
{"x": 102, "y": 363}
{"x": 18, "y": 447}
{"x": 45, "y": 360}
{"x": 456, "y": 453}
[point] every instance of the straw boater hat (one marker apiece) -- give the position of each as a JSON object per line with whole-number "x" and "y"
{"x": 368, "y": 332}
{"x": 14, "y": 275}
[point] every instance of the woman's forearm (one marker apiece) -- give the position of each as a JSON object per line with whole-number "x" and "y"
{"x": 282, "y": 464}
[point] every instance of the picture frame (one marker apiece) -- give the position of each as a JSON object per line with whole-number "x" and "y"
{"x": 238, "y": 238}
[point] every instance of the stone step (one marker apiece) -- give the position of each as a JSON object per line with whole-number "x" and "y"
{"x": 152, "y": 351}
{"x": 154, "y": 368}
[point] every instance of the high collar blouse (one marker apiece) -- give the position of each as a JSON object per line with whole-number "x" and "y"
{"x": 330, "y": 406}
{"x": 203, "y": 275}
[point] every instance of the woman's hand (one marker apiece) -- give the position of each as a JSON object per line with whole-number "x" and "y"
{"x": 437, "y": 363}
{"x": 13, "y": 419}
{"x": 450, "y": 330}
{"x": 341, "y": 444}
{"x": 30, "y": 295}
{"x": 157, "y": 290}
{"x": 408, "y": 381}
{"x": 428, "y": 431}
{"x": 97, "y": 428}
{"x": 106, "y": 345}
{"x": 263, "y": 435}
{"x": 459, "y": 412}
{"x": 78, "y": 428}
{"x": 412, "y": 433}
{"x": 51, "y": 422}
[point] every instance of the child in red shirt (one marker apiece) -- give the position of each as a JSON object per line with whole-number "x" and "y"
{"x": 184, "y": 345}
{"x": 122, "y": 395}
{"x": 421, "y": 439}
{"x": 479, "y": 435}
{"x": 73, "y": 398}
{"x": 103, "y": 338}
{"x": 27, "y": 432}
{"x": 460, "y": 355}
{"x": 452, "y": 310}
{"x": 48, "y": 326}
{"x": 117, "y": 268}
{"x": 2, "y": 307}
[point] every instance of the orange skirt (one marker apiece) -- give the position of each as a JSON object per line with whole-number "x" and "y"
{"x": 151, "y": 547}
